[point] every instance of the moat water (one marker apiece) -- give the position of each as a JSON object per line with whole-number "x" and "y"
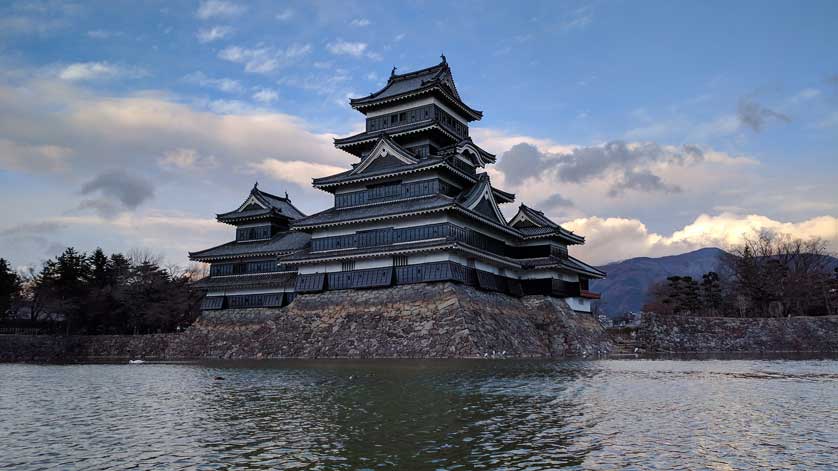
{"x": 417, "y": 415}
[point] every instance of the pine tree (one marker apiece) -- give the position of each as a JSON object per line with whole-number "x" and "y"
{"x": 9, "y": 288}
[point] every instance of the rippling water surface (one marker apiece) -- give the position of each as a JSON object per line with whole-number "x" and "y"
{"x": 533, "y": 415}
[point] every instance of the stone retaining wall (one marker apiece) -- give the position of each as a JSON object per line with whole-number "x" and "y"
{"x": 723, "y": 334}
{"x": 55, "y": 348}
{"x": 435, "y": 320}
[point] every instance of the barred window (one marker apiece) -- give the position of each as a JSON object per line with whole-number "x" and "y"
{"x": 400, "y": 261}
{"x": 253, "y": 233}
{"x": 347, "y": 266}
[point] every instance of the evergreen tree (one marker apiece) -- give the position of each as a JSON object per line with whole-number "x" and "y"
{"x": 9, "y": 288}
{"x": 711, "y": 292}
{"x": 100, "y": 268}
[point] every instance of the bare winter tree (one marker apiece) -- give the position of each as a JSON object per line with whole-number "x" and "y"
{"x": 780, "y": 274}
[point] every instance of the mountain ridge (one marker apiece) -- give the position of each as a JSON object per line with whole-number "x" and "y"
{"x": 628, "y": 282}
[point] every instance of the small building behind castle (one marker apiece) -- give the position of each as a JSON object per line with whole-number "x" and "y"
{"x": 417, "y": 207}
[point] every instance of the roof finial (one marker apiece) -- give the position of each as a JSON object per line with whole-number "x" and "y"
{"x": 286, "y": 195}
{"x": 256, "y": 186}
{"x": 393, "y": 72}
{"x": 443, "y": 58}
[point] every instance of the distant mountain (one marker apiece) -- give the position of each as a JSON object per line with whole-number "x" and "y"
{"x": 629, "y": 281}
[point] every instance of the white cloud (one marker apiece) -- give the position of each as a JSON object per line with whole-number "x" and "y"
{"x": 199, "y": 161}
{"x": 172, "y": 232}
{"x": 207, "y": 35}
{"x": 218, "y": 8}
{"x": 498, "y": 141}
{"x": 285, "y": 15}
{"x": 296, "y": 171}
{"x": 263, "y": 59}
{"x": 354, "y": 49}
{"x": 98, "y": 71}
{"x": 222, "y": 84}
{"x": 186, "y": 159}
{"x": 577, "y": 19}
{"x": 613, "y": 239}
{"x": 609, "y": 179}
{"x": 18, "y": 156}
{"x": 830, "y": 121}
{"x": 66, "y": 122}
{"x": 232, "y": 107}
{"x": 330, "y": 84}
{"x": 805, "y": 95}
{"x": 265, "y": 95}
{"x": 103, "y": 34}
{"x": 29, "y": 25}
{"x": 360, "y": 22}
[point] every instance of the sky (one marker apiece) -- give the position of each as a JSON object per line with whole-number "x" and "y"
{"x": 651, "y": 128}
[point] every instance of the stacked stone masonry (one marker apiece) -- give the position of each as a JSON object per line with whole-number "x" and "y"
{"x": 663, "y": 334}
{"x": 434, "y": 320}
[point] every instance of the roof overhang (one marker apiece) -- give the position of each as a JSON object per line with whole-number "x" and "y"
{"x": 357, "y": 140}
{"x": 372, "y": 219}
{"x": 197, "y": 257}
{"x": 364, "y": 105}
{"x": 393, "y": 173}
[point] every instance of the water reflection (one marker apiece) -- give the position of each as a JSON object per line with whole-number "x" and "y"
{"x": 611, "y": 414}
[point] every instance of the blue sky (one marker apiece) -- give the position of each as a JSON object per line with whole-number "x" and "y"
{"x": 652, "y": 128}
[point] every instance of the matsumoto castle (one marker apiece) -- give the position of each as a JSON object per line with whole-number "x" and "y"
{"x": 415, "y": 208}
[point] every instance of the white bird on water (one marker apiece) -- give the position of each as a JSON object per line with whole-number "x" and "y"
{"x": 135, "y": 362}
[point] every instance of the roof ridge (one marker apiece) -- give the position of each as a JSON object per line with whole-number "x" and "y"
{"x": 263, "y": 192}
{"x": 394, "y": 77}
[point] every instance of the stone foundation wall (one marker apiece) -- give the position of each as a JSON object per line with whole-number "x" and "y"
{"x": 434, "y": 320}
{"x": 720, "y": 334}
{"x": 49, "y": 348}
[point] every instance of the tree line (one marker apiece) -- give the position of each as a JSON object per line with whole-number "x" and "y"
{"x": 97, "y": 293}
{"x": 769, "y": 275}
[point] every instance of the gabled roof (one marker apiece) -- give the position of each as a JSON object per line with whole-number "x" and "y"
{"x": 467, "y": 146}
{"x": 480, "y": 198}
{"x": 282, "y": 243}
{"x": 385, "y": 155}
{"x": 533, "y": 223}
{"x": 436, "y": 78}
{"x": 328, "y": 183}
{"x": 348, "y": 176}
{"x": 569, "y": 263}
{"x": 261, "y": 205}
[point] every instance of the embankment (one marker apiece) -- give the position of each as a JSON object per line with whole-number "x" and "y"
{"x": 724, "y": 334}
{"x": 437, "y": 320}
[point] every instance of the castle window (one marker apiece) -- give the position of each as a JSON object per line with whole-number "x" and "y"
{"x": 400, "y": 261}
{"x": 347, "y": 266}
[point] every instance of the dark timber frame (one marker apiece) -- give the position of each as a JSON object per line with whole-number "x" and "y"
{"x": 415, "y": 208}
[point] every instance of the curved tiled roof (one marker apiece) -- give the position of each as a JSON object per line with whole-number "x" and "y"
{"x": 273, "y": 206}
{"x": 346, "y": 215}
{"x": 428, "y": 163}
{"x": 403, "y": 85}
{"x": 545, "y": 226}
{"x": 281, "y": 243}
{"x": 313, "y": 257}
{"x": 261, "y": 280}
{"x": 569, "y": 263}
